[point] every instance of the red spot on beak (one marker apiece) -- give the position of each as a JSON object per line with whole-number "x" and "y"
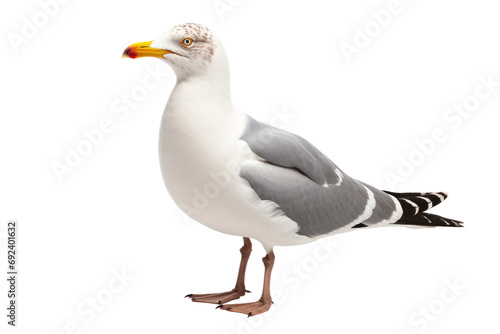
{"x": 130, "y": 52}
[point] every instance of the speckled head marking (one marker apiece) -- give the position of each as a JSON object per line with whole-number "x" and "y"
{"x": 202, "y": 40}
{"x": 191, "y": 49}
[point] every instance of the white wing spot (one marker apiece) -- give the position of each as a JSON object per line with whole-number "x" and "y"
{"x": 367, "y": 213}
{"x": 439, "y": 195}
{"x": 429, "y": 203}
{"x": 412, "y": 204}
{"x": 428, "y": 220}
{"x": 396, "y": 214}
{"x": 443, "y": 220}
{"x": 340, "y": 175}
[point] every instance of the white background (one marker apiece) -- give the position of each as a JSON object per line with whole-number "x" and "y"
{"x": 112, "y": 212}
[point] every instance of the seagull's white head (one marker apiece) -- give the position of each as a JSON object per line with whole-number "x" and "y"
{"x": 190, "y": 49}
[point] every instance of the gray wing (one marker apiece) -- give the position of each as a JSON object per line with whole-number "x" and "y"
{"x": 307, "y": 186}
{"x": 286, "y": 149}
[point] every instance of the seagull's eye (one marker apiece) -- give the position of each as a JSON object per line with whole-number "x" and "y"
{"x": 187, "y": 41}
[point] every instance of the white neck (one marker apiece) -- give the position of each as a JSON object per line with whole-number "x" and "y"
{"x": 200, "y": 114}
{"x": 205, "y": 93}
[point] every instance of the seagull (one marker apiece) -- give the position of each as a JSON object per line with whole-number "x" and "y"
{"x": 242, "y": 177}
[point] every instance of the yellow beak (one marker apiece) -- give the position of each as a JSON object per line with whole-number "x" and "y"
{"x": 143, "y": 49}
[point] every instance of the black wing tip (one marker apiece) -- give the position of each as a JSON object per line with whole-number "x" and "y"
{"x": 429, "y": 219}
{"x": 458, "y": 223}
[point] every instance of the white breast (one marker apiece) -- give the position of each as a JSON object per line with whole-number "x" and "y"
{"x": 200, "y": 158}
{"x": 200, "y": 167}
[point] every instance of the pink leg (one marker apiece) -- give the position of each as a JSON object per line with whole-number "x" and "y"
{"x": 239, "y": 289}
{"x": 265, "y": 301}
